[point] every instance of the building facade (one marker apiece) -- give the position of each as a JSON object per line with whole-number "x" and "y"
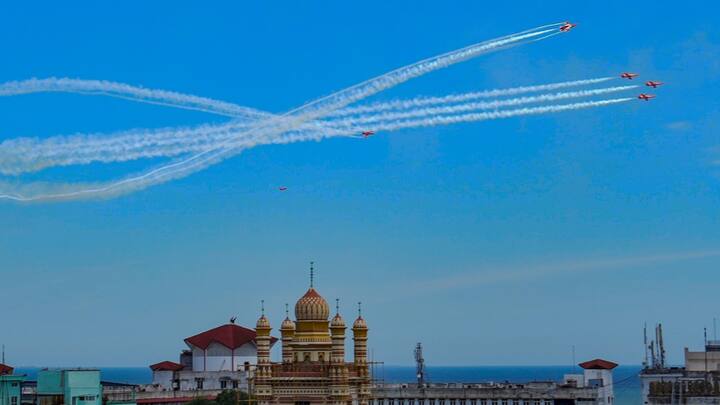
{"x": 698, "y": 382}
{"x": 220, "y": 358}
{"x": 69, "y": 387}
{"x": 10, "y": 386}
{"x": 313, "y": 369}
{"x": 594, "y": 387}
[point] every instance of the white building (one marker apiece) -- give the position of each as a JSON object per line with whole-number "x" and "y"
{"x": 216, "y": 359}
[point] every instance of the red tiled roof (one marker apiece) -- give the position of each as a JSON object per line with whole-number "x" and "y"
{"x": 230, "y": 335}
{"x": 5, "y": 370}
{"x": 167, "y": 366}
{"x": 598, "y": 364}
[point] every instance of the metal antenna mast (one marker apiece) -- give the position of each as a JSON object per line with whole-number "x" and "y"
{"x": 420, "y": 363}
{"x": 645, "y": 345}
{"x": 661, "y": 345}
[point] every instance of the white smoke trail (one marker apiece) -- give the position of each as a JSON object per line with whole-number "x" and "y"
{"x": 26, "y": 155}
{"x": 452, "y": 109}
{"x": 129, "y": 92}
{"x": 291, "y": 120}
{"x": 389, "y": 126}
{"x": 456, "y": 98}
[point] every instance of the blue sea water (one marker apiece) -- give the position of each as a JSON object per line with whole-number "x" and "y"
{"x": 627, "y": 382}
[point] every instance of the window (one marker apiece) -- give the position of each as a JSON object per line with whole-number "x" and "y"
{"x": 199, "y": 383}
{"x": 14, "y": 384}
{"x": 235, "y": 384}
{"x": 223, "y": 384}
{"x": 13, "y": 400}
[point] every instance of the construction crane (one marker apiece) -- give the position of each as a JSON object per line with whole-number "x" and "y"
{"x": 420, "y": 365}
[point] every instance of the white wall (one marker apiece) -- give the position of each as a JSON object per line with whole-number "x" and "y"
{"x": 220, "y": 358}
{"x": 163, "y": 379}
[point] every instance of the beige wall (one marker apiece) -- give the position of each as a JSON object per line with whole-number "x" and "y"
{"x": 695, "y": 361}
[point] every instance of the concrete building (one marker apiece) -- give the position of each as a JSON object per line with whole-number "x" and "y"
{"x": 217, "y": 359}
{"x": 313, "y": 368}
{"x": 61, "y": 386}
{"x": 10, "y": 386}
{"x": 698, "y": 382}
{"x": 69, "y": 387}
{"x": 594, "y": 386}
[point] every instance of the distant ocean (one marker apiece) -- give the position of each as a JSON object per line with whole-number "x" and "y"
{"x": 627, "y": 382}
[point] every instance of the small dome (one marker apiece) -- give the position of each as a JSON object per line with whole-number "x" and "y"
{"x": 337, "y": 322}
{"x": 312, "y": 307}
{"x": 262, "y": 322}
{"x": 288, "y": 324}
{"x": 360, "y": 323}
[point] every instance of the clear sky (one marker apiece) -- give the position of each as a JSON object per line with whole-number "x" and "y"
{"x": 498, "y": 242}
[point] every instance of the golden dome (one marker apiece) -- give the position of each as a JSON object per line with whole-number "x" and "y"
{"x": 287, "y": 324}
{"x": 360, "y": 323}
{"x": 337, "y": 322}
{"x": 262, "y": 322}
{"x": 312, "y": 307}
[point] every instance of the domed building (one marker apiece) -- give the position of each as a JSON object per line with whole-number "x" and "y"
{"x": 313, "y": 368}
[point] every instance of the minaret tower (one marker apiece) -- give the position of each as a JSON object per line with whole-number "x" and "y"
{"x": 337, "y": 331}
{"x": 263, "y": 373}
{"x": 360, "y": 333}
{"x": 287, "y": 330}
{"x": 339, "y": 388}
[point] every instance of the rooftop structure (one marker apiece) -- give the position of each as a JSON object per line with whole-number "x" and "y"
{"x": 697, "y": 382}
{"x": 594, "y": 386}
{"x": 219, "y": 358}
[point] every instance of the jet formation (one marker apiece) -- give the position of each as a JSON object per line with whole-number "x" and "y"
{"x": 566, "y": 27}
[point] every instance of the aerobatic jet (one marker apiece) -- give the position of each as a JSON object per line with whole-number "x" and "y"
{"x": 645, "y": 97}
{"x": 629, "y": 76}
{"x": 366, "y": 134}
{"x": 653, "y": 84}
{"x": 567, "y": 26}
{"x": 282, "y": 188}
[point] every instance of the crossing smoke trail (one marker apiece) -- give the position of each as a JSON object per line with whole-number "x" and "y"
{"x": 299, "y": 136}
{"x": 289, "y": 120}
{"x": 27, "y": 155}
{"x": 208, "y": 105}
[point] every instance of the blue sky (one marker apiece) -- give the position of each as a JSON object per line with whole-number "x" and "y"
{"x": 493, "y": 243}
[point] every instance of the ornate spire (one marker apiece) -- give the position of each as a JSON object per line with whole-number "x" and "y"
{"x": 262, "y": 307}
{"x": 312, "y": 274}
{"x": 287, "y": 311}
{"x": 337, "y": 305}
{"x": 359, "y": 309}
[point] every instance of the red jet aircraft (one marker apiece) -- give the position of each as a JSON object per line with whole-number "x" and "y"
{"x": 366, "y": 134}
{"x": 653, "y": 84}
{"x": 646, "y": 97}
{"x": 627, "y": 75}
{"x": 567, "y": 26}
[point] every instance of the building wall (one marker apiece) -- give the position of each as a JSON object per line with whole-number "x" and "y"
{"x": 11, "y": 389}
{"x": 220, "y": 358}
{"x": 605, "y": 390}
{"x": 695, "y": 361}
{"x": 163, "y": 378}
{"x": 482, "y": 394}
{"x": 76, "y": 387}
